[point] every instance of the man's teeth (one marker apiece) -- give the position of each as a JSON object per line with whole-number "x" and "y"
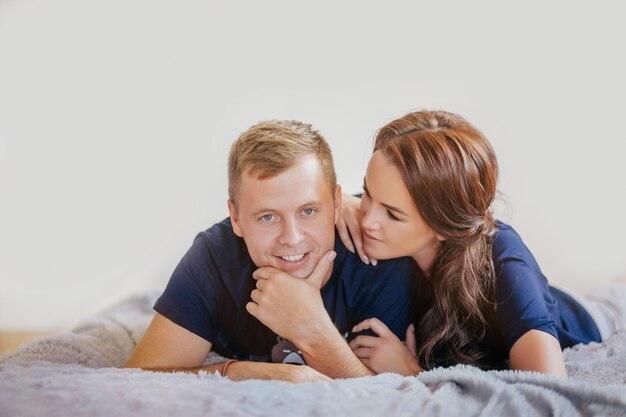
{"x": 293, "y": 258}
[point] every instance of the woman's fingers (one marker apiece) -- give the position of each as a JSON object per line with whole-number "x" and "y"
{"x": 376, "y": 325}
{"x": 354, "y": 226}
{"x": 410, "y": 342}
{"x": 363, "y": 341}
{"x": 363, "y": 353}
{"x": 342, "y": 230}
{"x": 350, "y": 223}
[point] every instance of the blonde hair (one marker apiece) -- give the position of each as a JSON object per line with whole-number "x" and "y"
{"x": 270, "y": 147}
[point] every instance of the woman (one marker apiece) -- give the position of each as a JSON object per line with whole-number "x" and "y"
{"x": 483, "y": 300}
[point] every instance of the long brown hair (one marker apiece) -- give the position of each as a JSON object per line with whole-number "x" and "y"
{"x": 450, "y": 170}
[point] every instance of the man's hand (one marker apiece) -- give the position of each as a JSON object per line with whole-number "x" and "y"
{"x": 385, "y": 353}
{"x": 292, "y": 307}
{"x": 274, "y": 371}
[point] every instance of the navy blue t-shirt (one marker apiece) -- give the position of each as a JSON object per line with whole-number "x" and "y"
{"x": 209, "y": 289}
{"x": 524, "y": 301}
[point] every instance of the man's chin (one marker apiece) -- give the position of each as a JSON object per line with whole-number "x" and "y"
{"x": 301, "y": 272}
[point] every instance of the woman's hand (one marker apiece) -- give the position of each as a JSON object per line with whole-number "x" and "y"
{"x": 349, "y": 225}
{"x": 385, "y": 353}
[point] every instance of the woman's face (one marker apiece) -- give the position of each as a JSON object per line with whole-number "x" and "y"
{"x": 392, "y": 227}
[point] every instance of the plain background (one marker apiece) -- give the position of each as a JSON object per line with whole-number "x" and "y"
{"x": 116, "y": 118}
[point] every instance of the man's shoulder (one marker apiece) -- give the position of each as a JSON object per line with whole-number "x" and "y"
{"x": 382, "y": 267}
{"x": 352, "y": 268}
{"x": 221, "y": 231}
{"x": 223, "y": 245}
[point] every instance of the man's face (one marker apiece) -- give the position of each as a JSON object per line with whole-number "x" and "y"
{"x": 288, "y": 221}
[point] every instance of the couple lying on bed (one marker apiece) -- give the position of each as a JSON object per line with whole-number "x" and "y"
{"x": 417, "y": 275}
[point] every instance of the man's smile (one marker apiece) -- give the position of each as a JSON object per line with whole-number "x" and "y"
{"x": 293, "y": 258}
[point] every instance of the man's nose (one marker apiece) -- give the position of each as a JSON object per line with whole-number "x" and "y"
{"x": 290, "y": 235}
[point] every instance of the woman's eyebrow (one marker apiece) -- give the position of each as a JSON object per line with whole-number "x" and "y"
{"x": 387, "y": 206}
{"x": 392, "y": 208}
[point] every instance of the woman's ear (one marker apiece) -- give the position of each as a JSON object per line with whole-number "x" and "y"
{"x": 440, "y": 238}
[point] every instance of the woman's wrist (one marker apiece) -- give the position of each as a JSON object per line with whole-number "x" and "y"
{"x": 414, "y": 367}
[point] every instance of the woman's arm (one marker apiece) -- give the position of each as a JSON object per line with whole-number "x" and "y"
{"x": 538, "y": 351}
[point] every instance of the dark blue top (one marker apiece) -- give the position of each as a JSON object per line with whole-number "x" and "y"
{"x": 524, "y": 301}
{"x": 209, "y": 289}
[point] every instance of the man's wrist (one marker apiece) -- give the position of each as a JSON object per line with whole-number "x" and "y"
{"x": 317, "y": 334}
{"x": 225, "y": 367}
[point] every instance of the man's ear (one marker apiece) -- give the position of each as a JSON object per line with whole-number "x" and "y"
{"x": 234, "y": 218}
{"x": 338, "y": 196}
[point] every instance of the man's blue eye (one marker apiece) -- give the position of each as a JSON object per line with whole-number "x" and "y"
{"x": 308, "y": 211}
{"x": 267, "y": 217}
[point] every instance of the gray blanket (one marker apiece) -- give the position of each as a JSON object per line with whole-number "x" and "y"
{"x": 76, "y": 373}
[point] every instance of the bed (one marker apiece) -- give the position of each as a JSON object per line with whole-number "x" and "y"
{"x": 77, "y": 373}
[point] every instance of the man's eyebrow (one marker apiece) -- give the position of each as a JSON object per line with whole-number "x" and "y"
{"x": 273, "y": 210}
{"x": 262, "y": 210}
{"x": 387, "y": 206}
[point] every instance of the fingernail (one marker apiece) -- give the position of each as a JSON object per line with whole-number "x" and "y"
{"x": 365, "y": 259}
{"x": 332, "y": 255}
{"x": 353, "y": 328}
{"x": 374, "y": 262}
{"x": 351, "y": 249}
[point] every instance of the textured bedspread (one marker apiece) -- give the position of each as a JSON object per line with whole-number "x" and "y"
{"x": 75, "y": 374}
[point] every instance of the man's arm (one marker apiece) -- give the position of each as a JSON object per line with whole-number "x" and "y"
{"x": 293, "y": 308}
{"x": 168, "y": 347}
{"x": 328, "y": 352}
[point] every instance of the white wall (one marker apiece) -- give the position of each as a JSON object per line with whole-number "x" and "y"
{"x": 116, "y": 118}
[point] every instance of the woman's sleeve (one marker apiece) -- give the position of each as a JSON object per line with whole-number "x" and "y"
{"x": 522, "y": 294}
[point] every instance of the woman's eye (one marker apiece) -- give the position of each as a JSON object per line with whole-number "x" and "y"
{"x": 390, "y": 214}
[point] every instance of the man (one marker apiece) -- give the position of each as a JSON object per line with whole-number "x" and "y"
{"x": 265, "y": 286}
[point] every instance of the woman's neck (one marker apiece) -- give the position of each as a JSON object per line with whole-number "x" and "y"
{"x": 426, "y": 258}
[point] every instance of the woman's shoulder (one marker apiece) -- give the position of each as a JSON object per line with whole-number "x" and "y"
{"x": 508, "y": 247}
{"x": 505, "y": 231}
{"x": 507, "y": 242}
